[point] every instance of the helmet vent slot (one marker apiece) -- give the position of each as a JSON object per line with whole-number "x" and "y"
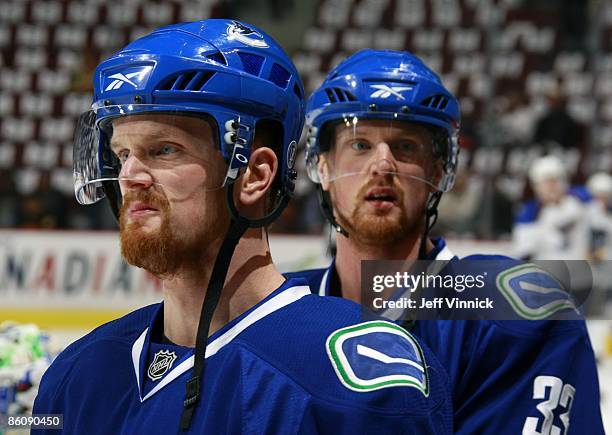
{"x": 339, "y": 95}
{"x": 279, "y": 76}
{"x": 349, "y": 96}
{"x": 438, "y": 102}
{"x": 251, "y": 63}
{"x": 186, "y": 81}
{"x": 200, "y": 79}
{"x": 217, "y": 57}
{"x": 297, "y": 91}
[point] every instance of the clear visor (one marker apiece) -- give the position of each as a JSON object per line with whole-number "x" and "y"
{"x": 146, "y": 145}
{"x": 362, "y": 148}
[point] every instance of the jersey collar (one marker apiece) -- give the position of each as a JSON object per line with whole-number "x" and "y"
{"x": 439, "y": 252}
{"x": 290, "y": 291}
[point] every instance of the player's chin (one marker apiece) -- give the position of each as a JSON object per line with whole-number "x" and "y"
{"x": 144, "y": 224}
{"x": 380, "y": 208}
{"x": 378, "y": 229}
{"x": 380, "y": 217}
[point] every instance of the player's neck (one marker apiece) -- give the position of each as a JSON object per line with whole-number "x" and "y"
{"x": 349, "y": 255}
{"x": 251, "y": 277}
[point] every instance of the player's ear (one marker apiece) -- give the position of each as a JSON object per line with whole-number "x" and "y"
{"x": 257, "y": 179}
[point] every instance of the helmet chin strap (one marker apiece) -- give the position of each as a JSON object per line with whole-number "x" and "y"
{"x": 431, "y": 216}
{"x": 211, "y": 299}
{"x": 328, "y": 210}
{"x": 238, "y": 226}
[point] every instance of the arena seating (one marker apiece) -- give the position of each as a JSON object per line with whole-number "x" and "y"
{"x": 48, "y": 49}
{"x": 485, "y": 50}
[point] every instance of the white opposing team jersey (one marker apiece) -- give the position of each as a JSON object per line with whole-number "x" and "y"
{"x": 555, "y": 232}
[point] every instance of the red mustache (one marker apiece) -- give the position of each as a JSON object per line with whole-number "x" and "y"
{"x": 143, "y": 200}
{"x": 391, "y": 189}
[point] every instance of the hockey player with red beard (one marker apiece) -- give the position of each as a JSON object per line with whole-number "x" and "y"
{"x": 382, "y": 147}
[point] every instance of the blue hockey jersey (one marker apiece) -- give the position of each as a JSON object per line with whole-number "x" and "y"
{"x": 293, "y": 364}
{"x": 508, "y": 376}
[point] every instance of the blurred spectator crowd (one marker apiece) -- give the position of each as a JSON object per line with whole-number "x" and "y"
{"x": 534, "y": 78}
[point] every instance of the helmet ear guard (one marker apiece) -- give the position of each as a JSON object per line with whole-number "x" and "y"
{"x": 268, "y": 133}
{"x": 238, "y": 138}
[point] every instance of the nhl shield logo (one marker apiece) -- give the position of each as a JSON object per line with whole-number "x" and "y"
{"x": 162, "y": 361}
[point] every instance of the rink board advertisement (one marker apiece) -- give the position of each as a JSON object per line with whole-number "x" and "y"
{"x": 68, "y": 279}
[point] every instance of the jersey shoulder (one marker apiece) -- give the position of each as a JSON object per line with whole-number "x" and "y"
{"x": 537, "y": 296}
{"x": 126, "y": 328}
{"x": 581, "y": 193}
{"x": 327, "y": 346}
{"x": 121, "y": 331}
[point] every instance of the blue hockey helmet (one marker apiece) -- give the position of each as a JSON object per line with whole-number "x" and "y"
{"x": 387, "y": 85}
{"x": 224, "y": 70}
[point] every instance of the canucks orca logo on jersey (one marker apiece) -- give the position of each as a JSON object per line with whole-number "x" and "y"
{"x": 375, "y": 355}
{"x": 533, "y": 293}
{"x": 162, "y": 361}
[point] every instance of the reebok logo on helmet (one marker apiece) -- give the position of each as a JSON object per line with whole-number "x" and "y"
{"x": 384, "y": 91}
{"x": 135, "y": 77}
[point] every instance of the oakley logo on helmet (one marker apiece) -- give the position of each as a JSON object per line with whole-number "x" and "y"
{"x": 384, "y": 91}
{"x": 291, "y": 152}
{"x": 246, "y": 35}
{"x": 134, "y": 77}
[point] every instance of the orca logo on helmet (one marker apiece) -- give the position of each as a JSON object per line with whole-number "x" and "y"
{"x": 246, "y": 35}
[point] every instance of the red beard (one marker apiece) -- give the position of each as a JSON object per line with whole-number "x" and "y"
{"x": 160, "y": 252}
{"x": 371, "y": 228}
